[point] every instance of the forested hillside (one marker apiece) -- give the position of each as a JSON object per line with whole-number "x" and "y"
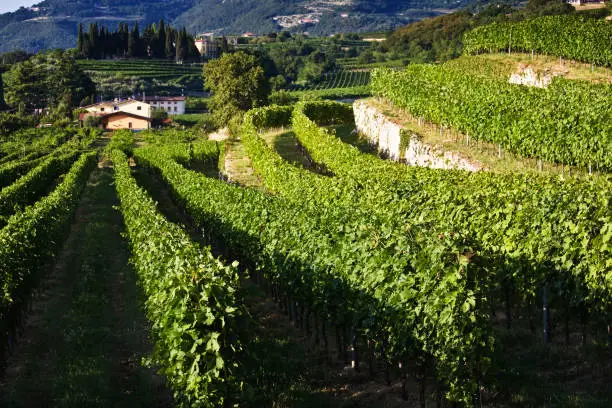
{"x": 53, "y": 23}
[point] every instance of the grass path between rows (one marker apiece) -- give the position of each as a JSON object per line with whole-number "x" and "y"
{"x": 87, "y": 334}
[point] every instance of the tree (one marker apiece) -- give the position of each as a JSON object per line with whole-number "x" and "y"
{"x": 169, "y": 45}
{"x": 158, "y": 116}
{"x": 238, "y": 84}
{"x": 133, "y": 46}
{"x": 181, "y": 45}
{"x": 161, "y": 40}
{"x": 80, "y": 39}
{"x": 547, "y": 7}
{"x": 1, "y": 92}
{"x": 48, "y": 81}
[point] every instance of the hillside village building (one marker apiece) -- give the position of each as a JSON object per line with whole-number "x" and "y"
{"x": 125, "y": 120}
{"x": 207, "y": 46}
{"x": 133, "y": 114}
{"x": 115, "y": 115}
{"x": 174, "y": 105}
{"x": 131, "y": 106}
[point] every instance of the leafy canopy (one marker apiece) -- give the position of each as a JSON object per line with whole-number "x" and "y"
{"x": 238, "y": 84}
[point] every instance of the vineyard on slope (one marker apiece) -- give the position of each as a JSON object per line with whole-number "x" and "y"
{"x": 556, "y": 229}
{"x": 573, "y": 37}
{"x": 568, "y": 123}
{"x": 191, "y": 298}
{"x": 325, "y": 264}
{"x": 523, "y": 256}
{"x": 28, "y": 188}
{"x": 31, "y": 238}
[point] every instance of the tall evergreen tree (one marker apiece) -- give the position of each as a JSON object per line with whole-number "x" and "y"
{"x": 131, "y": 45}
{"x": 80, "y": 39}
{"x": 137, "y": 43}
{"x": 169, "y": 46}
{"x": 161, "y": 40}
{"x": 181, "y": 45}
{"x": 1, "y": 92}
{"x": 94, "y": 40}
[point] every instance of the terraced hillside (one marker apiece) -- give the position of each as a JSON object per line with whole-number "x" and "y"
{"x": 121, "y": 78}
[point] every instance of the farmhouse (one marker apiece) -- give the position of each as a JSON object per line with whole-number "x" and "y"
{"x": 125, "y": 120}
{"x": 174, "y": 105}
{"x": 130, "y": 106}
{"x": 113, "y": 115}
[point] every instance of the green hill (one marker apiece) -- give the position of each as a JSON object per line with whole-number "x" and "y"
{"x": 53, "y": 23}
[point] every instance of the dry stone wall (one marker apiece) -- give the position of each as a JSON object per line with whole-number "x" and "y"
{"x": 399, "y": 144}
{"x": 378, "y": 129}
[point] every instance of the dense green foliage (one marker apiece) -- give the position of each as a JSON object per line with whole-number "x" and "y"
{"x": 157, "y": 41}
{"x": 570, "y": 37}
{"x": 121, "y": 140}
{"x": 31, "y": 238}
{"x": 10, "y": 122}
{"x": 2, "y": 103}
{"x": 288, "y": 98}
{"x": 519, "y": 259}
{"x": 533, "y": 229}
{"x": 51, "y": 80}
{"x": 11, "y": 171}
{"x": 334, "y": 264}
{"x": 35, "y": 142}
{"x": 238, "y": 84}
{"x": 569, "y": 122}
{"x": 191, "y": 298}
{"x": 27, "y": 149}
{"x": 27, "y": 189}
{"x": 441, "y": 38}
{"x": 288, "y": 61}
{"x": 337, "y": 80}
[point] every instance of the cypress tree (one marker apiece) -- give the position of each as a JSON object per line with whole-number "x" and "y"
{"x": 93, "y": 40}
{"x": 161, "y": 40}
{"x": 2, "y": 104}
{"x": 181, "y": 45}
{"x": 131, "y": 45}
{"x": 80, "y": 39}
{"x": 169, "y": 47}
{"x": 137, "y": 49}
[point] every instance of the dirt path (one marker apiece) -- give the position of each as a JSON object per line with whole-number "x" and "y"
{"x": 86, "y": 335}
{"x": 238, "y": 166}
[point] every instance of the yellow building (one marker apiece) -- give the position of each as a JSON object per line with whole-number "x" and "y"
{"x": 124, "y": 120}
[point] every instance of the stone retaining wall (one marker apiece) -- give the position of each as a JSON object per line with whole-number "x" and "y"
{"x": 399, "y": 144}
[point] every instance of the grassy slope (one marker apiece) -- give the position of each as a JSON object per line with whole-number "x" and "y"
{"x": 504, "y": 65}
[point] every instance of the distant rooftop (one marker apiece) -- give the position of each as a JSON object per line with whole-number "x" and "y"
{"x": 164, "y": 98}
